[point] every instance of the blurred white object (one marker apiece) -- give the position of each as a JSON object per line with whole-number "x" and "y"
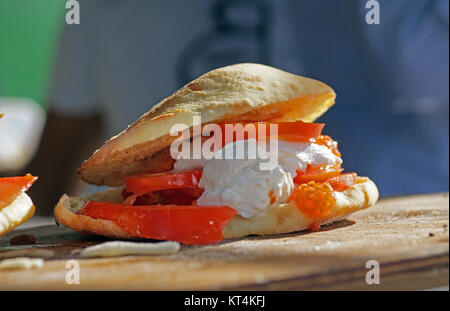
{"x": 20, "y": 131}
{"x": 21, "y": 263}
{"x": 124, "y": 248}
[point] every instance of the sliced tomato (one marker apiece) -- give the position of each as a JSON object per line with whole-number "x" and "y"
{"x": 12, "y": 187}
{"x": 315, "y": 172}
{"x": 185, "y": 224}
{"x": 180, "y": 196}
{"x": 142, "y": 199}
{"x": 343, "y": 181}
{"x": 146, "y": 183}
{"x": 291, "y": 131}
{"x": 299, "y": 131}
{"x": 171, "y": 196}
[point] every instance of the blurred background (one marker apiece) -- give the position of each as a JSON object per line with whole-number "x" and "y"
{"x": 66, "y": 88}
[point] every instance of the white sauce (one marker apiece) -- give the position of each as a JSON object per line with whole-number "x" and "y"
{"x": 243, "y": 186}
{"x": 296, "y": 156}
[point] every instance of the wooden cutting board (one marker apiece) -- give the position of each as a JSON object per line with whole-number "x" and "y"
{"x": 408, "y": 236}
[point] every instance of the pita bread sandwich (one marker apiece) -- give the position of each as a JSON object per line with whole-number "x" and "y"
{"x": 231, "y": 154}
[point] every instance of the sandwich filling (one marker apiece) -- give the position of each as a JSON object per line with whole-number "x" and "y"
{"x": 194, "y": 201}
{"x": 243, "y": 186}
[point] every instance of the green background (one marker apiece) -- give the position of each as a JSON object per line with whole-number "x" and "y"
{"x": 29, "y": 31}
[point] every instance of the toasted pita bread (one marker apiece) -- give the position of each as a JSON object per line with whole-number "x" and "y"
{"x": 283, "y": 218}
{"x": 251, "y": 92}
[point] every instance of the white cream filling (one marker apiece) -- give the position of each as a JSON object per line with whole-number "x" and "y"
{"x": 243, "y": 186}
{"x": 294, "y": 156}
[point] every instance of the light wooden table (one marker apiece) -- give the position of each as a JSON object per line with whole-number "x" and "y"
{"x": 408, "y": 236}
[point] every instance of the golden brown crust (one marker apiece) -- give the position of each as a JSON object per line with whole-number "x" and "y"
{"x": 65, "y": 214}
{"x": 284, "y": 218}
{"x": 250, "y": 92}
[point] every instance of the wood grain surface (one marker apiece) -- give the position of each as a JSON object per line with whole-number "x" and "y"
{"x": 408, "y": 236}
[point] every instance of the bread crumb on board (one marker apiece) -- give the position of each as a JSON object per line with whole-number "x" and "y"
{"x": 122, "y": 248}
{"x": 21, "y": 263}
{"x": 22, "y": 239}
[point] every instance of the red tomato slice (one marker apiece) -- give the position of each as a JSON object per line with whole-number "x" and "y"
{"x": 185, "y": 196}
{"x": 12, "y": 187}
{"x": 185, "y": 224}
{"x": 145, "y": 183}
{"x": 142, "y": 199}
{"x": 180, "y": 196}
{"x": 318, "y": 173}
{"x": 343, "y": 181}
{"x": 299, "y": 131}
{"x": 291, "y": 131}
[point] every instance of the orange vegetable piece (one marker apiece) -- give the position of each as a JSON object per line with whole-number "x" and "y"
{"x": 12, "y": 187}
{"x": 316, "y": 172}
{"x": 329, "y": 143}
{"x": 314, "y": 199}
